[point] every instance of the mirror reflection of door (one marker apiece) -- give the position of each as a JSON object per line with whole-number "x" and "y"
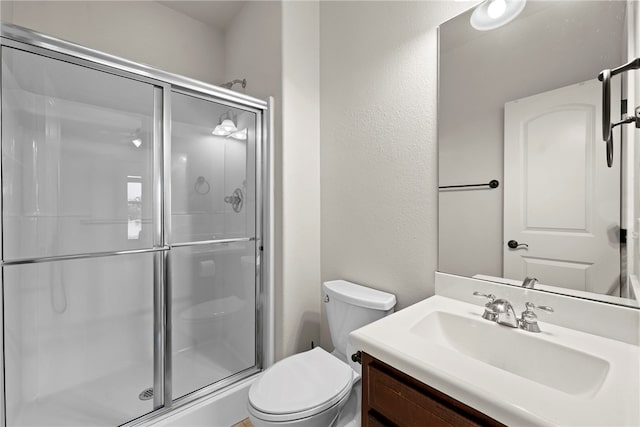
{"x": 561, "y": 201}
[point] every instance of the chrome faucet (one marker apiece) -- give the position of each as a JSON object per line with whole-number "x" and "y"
{"x": 498, "y": 310}
{"x": 502, "y": 312}
{"x": 529, "y": 282}
{"x": 506, "y": 313}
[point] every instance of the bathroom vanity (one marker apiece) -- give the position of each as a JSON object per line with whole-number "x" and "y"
{"x": 440, "y": 360}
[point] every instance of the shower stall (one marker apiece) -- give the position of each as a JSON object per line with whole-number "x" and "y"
{"x": 133, "y": 237}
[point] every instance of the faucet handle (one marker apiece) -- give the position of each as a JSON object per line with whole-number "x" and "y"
{"x": 530, "y": 306}
{"x": 489, "y": 311}
{"x": 490, "y": 297}
{"x": 529, "y": 320}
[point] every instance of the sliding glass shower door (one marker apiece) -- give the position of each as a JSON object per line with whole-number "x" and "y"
{"x": 213, "y": 229}
{"x": 130, "y": 241}
{"x": 77, "y": 179}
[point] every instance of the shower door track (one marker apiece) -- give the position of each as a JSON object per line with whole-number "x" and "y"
{"x": 164, "y": 83}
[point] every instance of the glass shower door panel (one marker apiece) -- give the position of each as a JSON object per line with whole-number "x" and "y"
{"x": 76, "y": 158}
{"x": 213, "y": 170}
{"x": 213, "y": 313}
{"x": 78, "y": 341}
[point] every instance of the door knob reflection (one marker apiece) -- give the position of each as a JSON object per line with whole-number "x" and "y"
{"x": 515, "y": 245}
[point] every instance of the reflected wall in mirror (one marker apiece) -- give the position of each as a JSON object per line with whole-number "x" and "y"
{"x": 521, "y": 104}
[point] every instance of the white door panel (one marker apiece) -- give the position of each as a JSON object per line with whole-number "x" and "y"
{"x": 569, "y": 273}
{"x": 560, "y": 198}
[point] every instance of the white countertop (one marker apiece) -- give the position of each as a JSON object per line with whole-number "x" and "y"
{"x": 507, "y": 397}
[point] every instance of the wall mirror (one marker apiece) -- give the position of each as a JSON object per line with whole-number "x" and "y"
{"x": 524, "y": 188}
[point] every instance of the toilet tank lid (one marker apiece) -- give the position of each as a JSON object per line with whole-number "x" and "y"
{"x": 359, "y": 295}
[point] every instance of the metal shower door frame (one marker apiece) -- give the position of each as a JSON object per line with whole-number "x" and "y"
{"x": 164, "y": 84}
{"x": 259, "y": 252}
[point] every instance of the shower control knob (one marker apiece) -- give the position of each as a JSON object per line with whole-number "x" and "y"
{"x": 513, "y": 244}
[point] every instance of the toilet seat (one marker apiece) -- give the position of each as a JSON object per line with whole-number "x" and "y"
{"x": 300, "y": 386}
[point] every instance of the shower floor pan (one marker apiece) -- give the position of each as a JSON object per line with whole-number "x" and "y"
{"x": 114, "y": 399}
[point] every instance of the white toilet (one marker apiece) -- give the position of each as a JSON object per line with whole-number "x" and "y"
{"x": 311, "y": 389}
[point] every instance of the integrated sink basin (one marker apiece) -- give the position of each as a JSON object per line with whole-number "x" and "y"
{"x": 559, "y": 376}
{"x": 518, "y": 352}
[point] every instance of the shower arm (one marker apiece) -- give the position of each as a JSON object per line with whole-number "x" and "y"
{"x": 230, "y": 84}
{"x": 607, "y": 126}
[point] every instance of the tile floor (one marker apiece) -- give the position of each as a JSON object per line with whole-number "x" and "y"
{"x": 244, "y": 423}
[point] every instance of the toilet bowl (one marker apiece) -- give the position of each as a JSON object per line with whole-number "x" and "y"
{"x": 317, "y": 388}
{"x": 307, "y": 389}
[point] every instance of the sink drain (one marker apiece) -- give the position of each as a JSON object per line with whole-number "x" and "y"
{"x": 146, "y": 394}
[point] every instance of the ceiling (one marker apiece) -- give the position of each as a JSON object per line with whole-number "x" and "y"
{"x": 543, "y": 21}
{"x": 215, "y": 13}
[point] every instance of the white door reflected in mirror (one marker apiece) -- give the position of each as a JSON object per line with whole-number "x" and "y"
{"x": 559, "y": 195}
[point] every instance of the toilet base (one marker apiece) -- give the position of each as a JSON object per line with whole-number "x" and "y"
{"x": 350, "y": 414}
{"x": 345, "y": 413}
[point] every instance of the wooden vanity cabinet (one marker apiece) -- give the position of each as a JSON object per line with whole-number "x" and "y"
{"x": 392, "y": 398}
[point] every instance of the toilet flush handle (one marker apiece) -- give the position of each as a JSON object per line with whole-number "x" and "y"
{"x": 357, "y": 357}
{"x": 326, "y": 298}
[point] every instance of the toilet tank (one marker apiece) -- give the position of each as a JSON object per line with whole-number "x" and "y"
{"x": 350, "y": 306}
